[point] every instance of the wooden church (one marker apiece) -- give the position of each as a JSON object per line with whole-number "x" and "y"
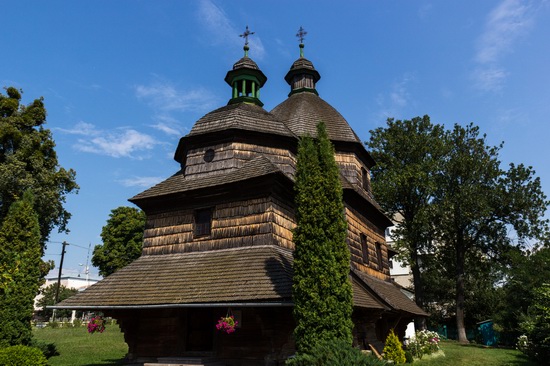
{"x": 218, "y": 237}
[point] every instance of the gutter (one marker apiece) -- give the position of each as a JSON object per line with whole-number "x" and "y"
{"x": 167, "y": 306}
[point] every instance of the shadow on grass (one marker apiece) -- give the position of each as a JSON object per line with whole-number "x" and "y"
{"x": 108, "y": 362}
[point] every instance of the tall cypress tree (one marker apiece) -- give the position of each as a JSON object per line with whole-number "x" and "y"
{"x": 20, "y": 253}
{"x": 321, "y": 287}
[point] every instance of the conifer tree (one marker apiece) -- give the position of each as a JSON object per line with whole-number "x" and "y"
{"x": 321, "y": 287}
{"x": 20, "y": 253}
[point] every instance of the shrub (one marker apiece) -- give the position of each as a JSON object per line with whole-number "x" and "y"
{"x": 536, "y": 342}
{"x": 47, "y": 349}
{"x": 334, "y": 353}
{"x": 425, "y": 342}
{"x": 22, "y": 356}
{"x": 54, "y": 324}
{"x": 77, "y": 323}
{"x": 409, "y": 357}
{"x": 393, "y": 350}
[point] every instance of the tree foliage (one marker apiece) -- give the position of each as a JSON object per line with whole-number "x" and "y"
{"x": 321, "y": 286}
{"x": 48, "y": 298}
{"x": 28, "y": 161}
{"x": 408, "y": 155}
{"x": 20, "y": 252}
{"x": 122, "y": 240}
{"x": 464, "y": 202}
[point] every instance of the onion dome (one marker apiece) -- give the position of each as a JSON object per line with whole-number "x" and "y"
{"x": 304, "y": 109}
{"x": 302, "y": 76}
{"x": 245, "y": 79}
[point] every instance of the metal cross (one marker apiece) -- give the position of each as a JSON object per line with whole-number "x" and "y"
{"x": 245, "y": 35}
{"x": 301, "y": 34}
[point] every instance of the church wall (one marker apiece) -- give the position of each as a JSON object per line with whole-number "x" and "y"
{"x": 351, "y": 166}
{"x": 258, "y": 221}
{"x": 357, "y": 225}
{"x": 232, "y": 155}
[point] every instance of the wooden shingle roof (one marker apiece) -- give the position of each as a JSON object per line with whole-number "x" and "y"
{"x": 390, "y": 294}
{"x": 238, "y": 275}
{"x": 178, "y": 183}
{"x": 301, "y": 112}
{"x": 242, "y": 116}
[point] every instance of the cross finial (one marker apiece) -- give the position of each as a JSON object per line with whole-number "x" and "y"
{"x": 301, "y": 34}
{"x": 245, "y": 35}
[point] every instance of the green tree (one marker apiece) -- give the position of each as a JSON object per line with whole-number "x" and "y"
{"x": 526, "y": 271}
{"x": 537, "y": 326}
{"x": 20, "y": 250}
{"x": 408, "y": 154}
{"x": 122, "y": 240}
{"x": 321, "y": 286}
{"x": 48, "y": 298}
{"x": 477, "y": 202}
{"x": 28, "y": 161}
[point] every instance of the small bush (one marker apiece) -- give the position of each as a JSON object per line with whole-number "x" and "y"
{"x": 334, "y": 353}
{"x": 409, "y": 357}
{"x": 54, "y": 324}
{"x": 47, "y": 349}
{"x": 77, "y": 323}
{"x": 425, "y": 342}
{"x": 393, "y": 350}
{"x": 22, "y": 356}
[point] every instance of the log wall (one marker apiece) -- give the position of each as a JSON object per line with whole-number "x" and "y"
{"x": 351, "y": 166}
{"x": 357, "y": 225}
{"x": 232, "y": 155}
{"x": 257, "y": 221}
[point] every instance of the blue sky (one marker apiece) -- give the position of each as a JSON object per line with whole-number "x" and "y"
{"x": 124, "y": 80}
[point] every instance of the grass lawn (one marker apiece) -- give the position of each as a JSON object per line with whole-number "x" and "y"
{"x": 475, "y": 355}
{"x": 77, "y": 347}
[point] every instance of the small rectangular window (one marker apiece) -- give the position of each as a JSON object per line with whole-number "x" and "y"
{"x": 365, "y": 179}
{"x": 365, "y": 248}
{"x": 203, "y": 222}
{"x": 379, "y": 255}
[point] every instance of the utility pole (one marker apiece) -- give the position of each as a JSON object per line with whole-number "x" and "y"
{"x": 59, "y": 275}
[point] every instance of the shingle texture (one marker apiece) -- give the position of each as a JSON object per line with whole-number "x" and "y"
{"x": 243, "y": 116}
{"x": 390, "y": 294}
{"x": 262, "y": 273}
{"x": 245, "y": 63}
{"x": 301, "y": 112}
{"x": 178, "y": 183}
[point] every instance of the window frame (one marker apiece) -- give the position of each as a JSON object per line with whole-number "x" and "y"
{"x": 202, "y": 222}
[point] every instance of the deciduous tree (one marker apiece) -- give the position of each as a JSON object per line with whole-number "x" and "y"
{"x": 28, "y": 161}
{"x": 122, "y": 240}
{"x": 48, "y": 298}
{"x": 477, "y": 202}
{"x": 321, "y": 286}
{"x": 408, "y": 155}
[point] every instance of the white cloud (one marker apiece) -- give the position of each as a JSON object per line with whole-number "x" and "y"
{"x": 490, "y": 78}
{"x": 143, "y": 182}
{"x": 121, "y": 142}
{"x": 223, "y": 31}
{"x": 397, "y": 98}
{"x": 163, "y": 96}
{"x": 505, "y": 24}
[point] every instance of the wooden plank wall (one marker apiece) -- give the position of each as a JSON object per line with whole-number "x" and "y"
{"x": 232, "y": 155}
{"x": 350, "y": 166}
{"x": 357, "y": 225}
{"x": 257, "y": 221}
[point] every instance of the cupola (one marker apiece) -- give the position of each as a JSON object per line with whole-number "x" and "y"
{"x": 302, "y": 76}
{"x": 246, "y": 79}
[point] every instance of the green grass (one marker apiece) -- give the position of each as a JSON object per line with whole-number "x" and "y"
{"x": 475, "y": 355}
{"x": 77, "y": 347}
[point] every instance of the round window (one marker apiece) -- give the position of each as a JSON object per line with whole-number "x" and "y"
{"x": 209, "y": 155}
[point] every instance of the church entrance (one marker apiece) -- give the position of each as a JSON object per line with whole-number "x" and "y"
{"x": 200, "y": 331}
